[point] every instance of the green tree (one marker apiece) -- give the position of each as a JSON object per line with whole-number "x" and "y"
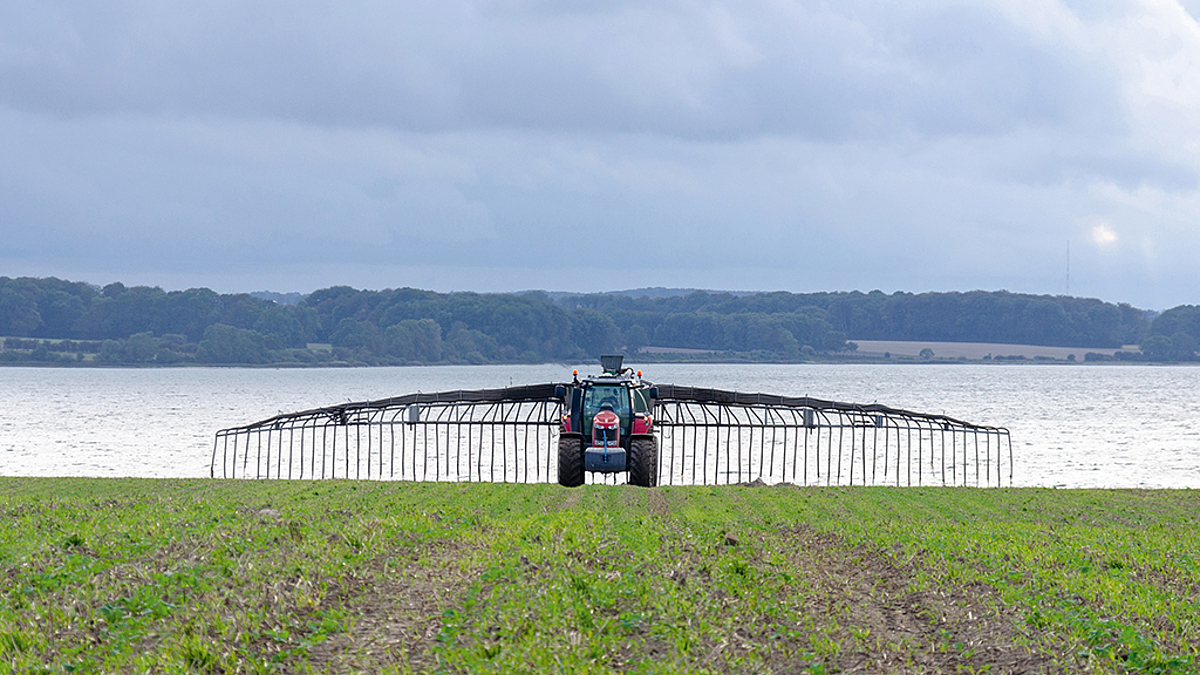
{"x": 140, "y": 348}
{"x": 781, "y": 341}
{"x": 834, "y": 341}
{"x": 635, "y": 339}
{"x": 112, "y": 351}
{"x": 594, "y": 332}
{"x": 166, "y": 356}
{"x": 229, "y": 344}
{"x": 18, "y": 314}
{"x": 282, "y": 323}
{"x": 1181, "y": 319}
{"x": 59, "y": 311}
{"x": 471, "y": 346}
{"x": 1183, "y": 346}
{"x": 1157, "y": 348}
{"x": 415, "y": 341}
{"x": 361, "y": 336}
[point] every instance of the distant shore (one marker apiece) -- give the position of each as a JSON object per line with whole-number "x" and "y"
{"x": 863, "y": 351}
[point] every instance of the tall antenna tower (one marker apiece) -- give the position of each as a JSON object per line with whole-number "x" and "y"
{"x": 1068, "y": 267}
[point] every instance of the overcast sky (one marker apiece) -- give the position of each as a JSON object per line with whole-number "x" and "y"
{"x": 600, "y": 145}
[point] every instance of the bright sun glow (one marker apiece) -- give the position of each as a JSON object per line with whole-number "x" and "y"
{"x": 1103, "y": 235}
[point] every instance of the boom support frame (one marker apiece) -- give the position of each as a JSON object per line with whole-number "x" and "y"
{"x": 705, "y": 437}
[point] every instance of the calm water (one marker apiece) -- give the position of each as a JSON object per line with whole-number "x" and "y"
{"x": 1083, "y": 426}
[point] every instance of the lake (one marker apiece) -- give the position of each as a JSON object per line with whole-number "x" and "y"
{"x": 1072, "y": 426}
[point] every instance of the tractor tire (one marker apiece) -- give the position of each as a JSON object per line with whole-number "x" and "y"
{"x": 643, "y": 461}
{"x": 570, "y": 461}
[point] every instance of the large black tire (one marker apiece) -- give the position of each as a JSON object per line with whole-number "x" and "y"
{"x": 570, "y": 461}
{"x": 643, "y": 461}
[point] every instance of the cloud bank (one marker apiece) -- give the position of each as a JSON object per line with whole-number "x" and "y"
{"x": 599, "y": 145}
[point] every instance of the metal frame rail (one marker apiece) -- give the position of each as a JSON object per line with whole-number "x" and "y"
{"x": 713, "y": 437}
{"x": 493, "y": 435}
{"x": 705, "y": 437}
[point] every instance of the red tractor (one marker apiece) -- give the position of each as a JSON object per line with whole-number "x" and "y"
{"x": 607, "y": 426}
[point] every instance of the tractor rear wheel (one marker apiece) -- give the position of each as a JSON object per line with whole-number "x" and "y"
{"x": 643, "y": 461}
{"x": 570, "y": 461}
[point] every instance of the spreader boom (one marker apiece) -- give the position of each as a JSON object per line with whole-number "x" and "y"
{"x": 705, "y": 437}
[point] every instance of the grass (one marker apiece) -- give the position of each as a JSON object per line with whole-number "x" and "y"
{"x": 200, "y": 576}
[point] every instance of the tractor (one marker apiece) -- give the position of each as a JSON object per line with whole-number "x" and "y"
{"x": 607, "y": 426}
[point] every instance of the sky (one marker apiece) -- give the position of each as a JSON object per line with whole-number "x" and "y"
{"x": 586, "y": 145}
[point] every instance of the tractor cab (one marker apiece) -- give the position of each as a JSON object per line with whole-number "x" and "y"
{"x": 607, "y": 425}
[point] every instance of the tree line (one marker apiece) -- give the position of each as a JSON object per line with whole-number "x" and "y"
{"x": 977, "y": 316}
{"x": 1174, "y": 335}
{"x": 139, "y": 324}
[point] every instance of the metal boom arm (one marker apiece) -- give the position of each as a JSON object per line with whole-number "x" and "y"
{"x": 705, "y": 436}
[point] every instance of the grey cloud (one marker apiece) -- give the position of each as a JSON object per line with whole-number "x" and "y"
{"x": 992, "y": 78}
{"x": 667, "y": 68}
{"x": 508, "y": 145}
{"x": 785, "y": 213}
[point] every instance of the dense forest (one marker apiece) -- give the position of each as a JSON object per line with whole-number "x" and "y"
{"x": 48, "y": 320}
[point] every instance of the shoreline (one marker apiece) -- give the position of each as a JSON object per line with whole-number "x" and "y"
{"x": 729, "y": 362}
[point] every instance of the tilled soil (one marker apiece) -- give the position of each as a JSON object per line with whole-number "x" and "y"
{"x": 894, "y": 628}
{"x": 866, "y": 600}
{"x": 398, "y": 613}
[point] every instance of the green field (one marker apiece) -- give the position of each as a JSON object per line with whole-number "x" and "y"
{"x": 223, "y": 577}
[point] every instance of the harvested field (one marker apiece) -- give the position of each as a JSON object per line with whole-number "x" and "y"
{"x": 976, "y": 350}
{"x": 227, "y": 577}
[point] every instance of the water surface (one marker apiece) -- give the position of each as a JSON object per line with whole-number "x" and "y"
{"x": 1072, "y": 426}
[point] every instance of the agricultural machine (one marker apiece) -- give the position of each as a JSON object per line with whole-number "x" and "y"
{"x": 616, "y": 427}
{"x": 607, "y": 426}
